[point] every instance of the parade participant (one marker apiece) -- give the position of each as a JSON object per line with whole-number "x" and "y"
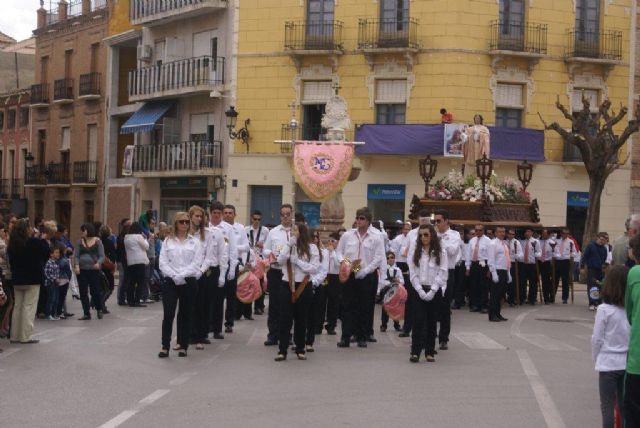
{"x": 516, "y": 256}
{"x": 632, "y": 307}
{"x": 333, "y": 286}
{"x": 242, "y": 247}
{"x": 547, "y": 246}
{"x": 214, "y": 256}
{"x": 564, "y": 253}
{"x": 257, "y": 234}
{"x": 277, "y": 239}
{"x": 400, "y": 248}
{"x": 389, "y": 276}
{"x": 318, "y": 304}
{"x": 428, "y": 266}
{"x": 228, "y": 273}
{"x": 362, "y": 249}
{"x": 180, "y": 262}
{"x": 450, "y": 243}
{"x": 499, "y": 266}
{"x": 610, "y": 343}
{"x": 136, "y": 247}
{"x": 528, "y": 274}
{"x": 87, "y": 264}
{"x": 594, "y": 258}
{"x": 460, "y": 290}
{"x": 477, "y": 270}
{"x": 376, "y": 228}
{"x": 300, "y": 259}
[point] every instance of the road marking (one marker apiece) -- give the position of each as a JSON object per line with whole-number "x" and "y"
{"x": 184, "y": 377}
{"x": 122, "y": 336}
{"x": 257, "y": 336}
{"x": 48, "y": 336}
{"x": 477, "y": 340}
{"x": 127, "y": 414}
{"x": 547, "y": 406}
{"x": 222, "y": 347}
{"x": 545, "y": 342}
{"x": 515, "y": 327}
{"x": 8, "y": 352}
{"x": 397, "y": 342}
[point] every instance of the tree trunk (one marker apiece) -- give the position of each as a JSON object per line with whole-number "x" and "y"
{"x": 592, "y": 223}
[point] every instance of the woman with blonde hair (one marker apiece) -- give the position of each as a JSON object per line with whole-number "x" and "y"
{"x": 180, "y": 260}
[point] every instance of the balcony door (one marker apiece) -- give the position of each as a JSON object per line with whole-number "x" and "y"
{"x": 394, "y": 23}
{"x": 587, "y": 38}
{"x": 319, "y": 28}
{"x": 205, "y": 57}
{"x": 511, "y": 35}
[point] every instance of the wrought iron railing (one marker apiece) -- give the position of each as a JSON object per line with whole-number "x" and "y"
{"x": 35, "y": 176}
{"x": 519, "y": 37}
{"x": 17, "y": 188}
{"x": 188, "y": 155}
{"x": 302, "y": 35}
{"x": 58, "y": 173}
{"x": 90, "y": 84}
{"x": 181, "y": 74}
{"x": 85, "y": 172}
{"x": 598, "y": 45}
{"x": 388, "y": 33}
{"x": 63, "y": 89}
{"x": 39, "y": 93}
{"x": 4, "y": 188}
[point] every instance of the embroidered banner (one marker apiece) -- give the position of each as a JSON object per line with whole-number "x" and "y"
{"x": 322, "y": 169}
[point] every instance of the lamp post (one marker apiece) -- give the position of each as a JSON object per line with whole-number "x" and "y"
{"x": 28, "y": 160}
{"x": 242, "y": 133}
{"x": 525, "y": 172}
{"x": 484, "y": 167}
{"x": 428, "y": 168}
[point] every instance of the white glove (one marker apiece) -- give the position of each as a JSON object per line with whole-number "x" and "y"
{"x": 509, "y": 279}
{"x": 231, "y": 274}
{"x": 430, "y": 295}
{"x": 221, "y": 282}
{"x": 361, "y": 274}
{"x": 494, "y": 277}
{"x": 423, "y": 295}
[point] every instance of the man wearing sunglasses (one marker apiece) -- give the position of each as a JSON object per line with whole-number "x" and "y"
{"x": 363, "y": 248}
{"x": 257, "y": 234}
{"x": 478, "y": 271}
{"x": 564, "y": 254}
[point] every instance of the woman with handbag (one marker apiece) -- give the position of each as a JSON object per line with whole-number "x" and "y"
{"x": 109, "y": 263}
{"x": 87, "y": 264}
{"x": 300, "y": 259}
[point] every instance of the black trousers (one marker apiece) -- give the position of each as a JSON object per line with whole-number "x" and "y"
{"x": 373, "y": 291}
{"x": 206, "y": 286}
{"x": 90, "y": 280}
{"x": 412, "y": 298}
{"x": 478, "y": 286}
{"x": 293, "y": 315}
{"x": 230, "y": 288}
{"x": 459, "y": 288}
{"x": 528, "y": 277}
{"x": 357, "y": 300}
{"x": 136, "y": 281}
{"x": 496, "y": 293}
{"x": 274, "y": 278}
{"x": 181, "y": 297}
{"x": 425, "y": 318}
{"x": 259, "y": 304}
{"x": 444, "y": 315}
{"x": 111, "y": 281}
{"x": 631, "y": 400}
{"x": 242, "y": 309}
{"x": 563, "y": 271}
{"x": 545, "y": 278}
{"x": 334, "y": 289}
{"x": 511, "y": 287}
{"x": 314, "y": 320}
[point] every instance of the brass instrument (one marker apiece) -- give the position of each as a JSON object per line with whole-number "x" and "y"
{"x": 356, "y": 266}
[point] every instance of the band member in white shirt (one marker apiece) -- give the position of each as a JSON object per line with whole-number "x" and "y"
{"x": 318, "y": 306}
{"x": 242, "y": 246}
{"x": 277, "y": 239}
{"x": 450, "y": 242}
{"x": 215, "y": 254}
{"x": 478, "y": 270}
{"x": 515, "y": 252}
{"x": 428, "y": 266}
{"x": 528, "y": 276}
{"x": 364, "y": 250}
{"x": 180, "y": 261}
{"x": 376, "y": 228}
{"x": 547, "y": 244}
{"x": 333, "y": 286}
{"x": 227, "y": 290}
{"x": 499, "y": 265}
{"x": 300, "y": 260}
{"x": 564, "y": 253}
{"x": 389, "y": 276}
{"x": 257, "y": 234}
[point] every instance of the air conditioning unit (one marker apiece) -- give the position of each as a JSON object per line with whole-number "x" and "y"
{"x": 144, "y": 53}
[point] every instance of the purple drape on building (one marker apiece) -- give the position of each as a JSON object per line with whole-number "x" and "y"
{"x": 506, "y": 143}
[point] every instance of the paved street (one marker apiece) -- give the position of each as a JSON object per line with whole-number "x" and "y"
{"x": 533, "y": 371}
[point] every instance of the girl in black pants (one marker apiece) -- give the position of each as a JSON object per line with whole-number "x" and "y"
{"x": 88, "y": 261}
{"x": 428, "y": 270}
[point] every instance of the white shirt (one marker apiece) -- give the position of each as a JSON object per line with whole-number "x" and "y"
{"x": 301, "y": 266}
{"x": 181, "y": 259}
{"x": 534, "y": 250}
{"x": 277, "y": 239}
{"x": 483, "y": 250}
{"x": 565, "y": 249}
{"x": 385, "y": 241}
{"x": 321, "y": 274}
{"x": 215, "y": 251}
{"x": 136, "y": 246}
{"x": 429, "y": 273}
{"x": 333, "y": 263}
{"x": 388, "y": 275}
{"x": 242, "y": 242}
{"x": 610, "y": 339}
{"x": 498, "y": 251}
{"x": 546, "y": 249}
{"x": 515, "y": 250}
{"x": 369, "y": 249}
{"x": 230, "y": 239}
{"x": 255, "y": 236}
{"x": 450, "y": 243}
{"x": 400, "y": 246}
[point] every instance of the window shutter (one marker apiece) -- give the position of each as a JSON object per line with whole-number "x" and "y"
{"x": 316, "y": 91}
{"x": 391, "y": 91}
{"x": 66, "y": 138}
{"x": 509, "y": 95}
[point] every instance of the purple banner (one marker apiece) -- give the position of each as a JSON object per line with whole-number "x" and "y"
{"x": 506, "y": 143}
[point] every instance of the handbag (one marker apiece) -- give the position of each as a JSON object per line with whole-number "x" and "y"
{"x": 107, "y": 264}
{"x": 3, "y": 297}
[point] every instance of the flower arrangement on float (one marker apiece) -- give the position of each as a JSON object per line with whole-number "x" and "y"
{"x": 454, "y": 186}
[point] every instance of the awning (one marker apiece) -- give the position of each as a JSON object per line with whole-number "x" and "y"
{"x": 145, "y": 119}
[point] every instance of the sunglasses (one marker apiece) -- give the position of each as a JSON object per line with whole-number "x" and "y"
{"x": 425, "y": 235}
{"x": 183, "y": 222}
{"x": 391, "y": 257}
{"x": 438, "y": 220}
{"x": 361, "y": 217}
{"x": 257, "y": 219}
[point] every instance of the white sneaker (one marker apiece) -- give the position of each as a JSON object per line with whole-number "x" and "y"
{"x": 52, "y": 318}
{"x": 592, "y": 308}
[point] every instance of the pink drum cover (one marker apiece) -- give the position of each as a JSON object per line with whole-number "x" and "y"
{"x": 249, "y": 289}
{"x": 258, "y": 269}
{"x": 394, "y": 302}
{"x": 322, "y": 169}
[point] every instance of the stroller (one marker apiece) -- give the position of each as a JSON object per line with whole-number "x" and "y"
{"x": 155, "y": 284}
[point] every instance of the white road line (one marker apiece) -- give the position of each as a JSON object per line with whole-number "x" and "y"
{"x": 48, "y": 336}
{"x": 120, "y": 419}
{"x": 127, "y": 414}
{"x": 477, "y": 340}
{"x": 545, "y": 342}
{"x": 122, "y": 336}
{"x": 183, "y": 378}
{"x": 222, "y": 347}
{"x": 547, "y": 406}
{"x": 153, "y": 397}
{"x": 515, "y": 327}
{"x": 8, "y": 352}
{"x": 258, "y": 336}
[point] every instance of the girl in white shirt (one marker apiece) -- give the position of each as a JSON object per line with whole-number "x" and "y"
{"x": 610, "y": 343}
{"x": 319, "y": 301}
{"x": 136, "y": 246}
{"x": 389, "y": 276}
{"x": 180, "y": 261}
{"x": 428, "y": 272}
{"x": 300, "y": 261}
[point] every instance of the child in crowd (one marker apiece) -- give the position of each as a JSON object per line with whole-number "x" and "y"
{"x": 610, "y": 343}
{"x": 391, "y": 275}
{"x": 51, "y": 281}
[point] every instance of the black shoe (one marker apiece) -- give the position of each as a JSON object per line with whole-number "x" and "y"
{"x": 268, "y": 342}
{"x": 455, "y": 306}
{"x": 403, "y": 334}
{"x": 343, "y": 344}
{"x": 206, "y": 341}
{"x": 501, "y": 318}
{"x": 331, "y": 332}
{"x": 138, "y": 305}
{"x": 105, "y": 311}
{"x": 85, "y": 318}
{"x": 249, "y": 318}
{"x": 68, "y": 315}
{"x": 484, "y": 311}
{"x": 397, "y": 327}
{"x": 414, "y": 359}
{"x": 511, "y": 304}
{"x": 362, "y": 343}
{"x": 383, "y": 328}
{"x": 219, "y": 336}
{"x": 122, "y": 303}
{"x": 99, "y": 315}
{"x": 531, "y": 303}
{"x": 474, "y": 309}
{"x": 371, "y": 339}
{"x": 258, "y": 312}
{"x": 564, "y": 302}
{"x": 228, "y": 329}
{"x": 494, "y": 319}
{"x": 444, "y": 346}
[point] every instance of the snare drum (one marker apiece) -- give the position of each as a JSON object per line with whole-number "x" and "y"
{"x": 394, "y": 302}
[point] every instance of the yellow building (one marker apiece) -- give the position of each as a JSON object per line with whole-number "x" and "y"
{"x": 400, "y": 61}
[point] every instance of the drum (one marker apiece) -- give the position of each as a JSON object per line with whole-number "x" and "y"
{"x": 345, "y": 271}
{"x": 249, "y": 289}
{"x": 394, "y": 302}
{"x": 259, "y": 268}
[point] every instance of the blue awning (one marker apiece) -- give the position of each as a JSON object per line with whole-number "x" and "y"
{"x": 145, "y": 119}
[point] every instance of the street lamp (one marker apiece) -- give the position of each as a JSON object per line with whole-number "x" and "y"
{"x": 525, "y": 172}
{"x": 28, "y": 159}
{"x": 484, "y": 167}
{"x": 428, "y": 168}
{"x": 240, "y": 134}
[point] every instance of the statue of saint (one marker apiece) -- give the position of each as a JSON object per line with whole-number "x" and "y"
{"x": 477, "y": 145}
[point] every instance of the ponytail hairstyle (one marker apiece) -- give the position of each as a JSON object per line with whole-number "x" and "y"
{"x": 304, "y": 240}
{"x": 434, "y": 245}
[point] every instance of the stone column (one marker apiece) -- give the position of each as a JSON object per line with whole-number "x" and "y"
{"x": 63, "y": 8}
{"x": 86, "y": 7}
{"x": 42, "y": 18}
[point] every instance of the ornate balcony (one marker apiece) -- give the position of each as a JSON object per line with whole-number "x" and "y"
{"x": 89, "y": 86}
{"x": 85, "y": 173}
{"x": 40, "y": 95}
{"x": 598, "y": 47}
{"x": 388, "y": 34}
{"x": 154, "y": 12}
{"x": 177, "y": 159}
{"x": 35, "y": 176}
{"x": 58, "y": 174}
{"x": 63, "y": 91}
{"x": 526, "y": 40}
{"x": 302, "y": 38}
{"x": 182, "y": 77}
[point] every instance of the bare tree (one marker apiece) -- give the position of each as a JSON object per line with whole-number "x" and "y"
{"x": 593, "y": 134}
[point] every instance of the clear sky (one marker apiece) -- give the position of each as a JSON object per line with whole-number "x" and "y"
{"x": 18, "y": 17}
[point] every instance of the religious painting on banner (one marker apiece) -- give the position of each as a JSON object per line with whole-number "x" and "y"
{"x": 322, "y": 169}
{"x": 455, "y": 137}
